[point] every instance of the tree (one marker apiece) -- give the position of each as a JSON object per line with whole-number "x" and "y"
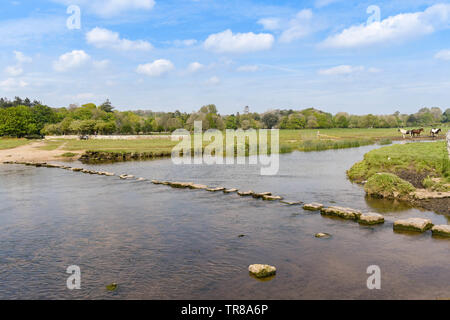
{"x": 270, "y": 120}
{"x": 17, "y": 122}
{"x": 106, "y": 106}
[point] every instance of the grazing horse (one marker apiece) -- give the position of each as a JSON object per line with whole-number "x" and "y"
{"x": 434, "y": 132}
{"x": 416, "y": 132}
{"x": 404, "y": 132}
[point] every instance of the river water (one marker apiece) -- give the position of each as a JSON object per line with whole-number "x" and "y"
{"x": 163, "y": 243}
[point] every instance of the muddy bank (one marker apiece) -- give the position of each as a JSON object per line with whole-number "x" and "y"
{"x": 441, "y": 206}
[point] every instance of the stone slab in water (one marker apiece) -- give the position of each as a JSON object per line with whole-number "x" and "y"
{"x": 292, "y": 203}
{"x": 313, "y": 206}
{"x": 371, "y": 218}
{"x": 245, "y": 193}
{"x": 215, "y": 189}
{"x": 441, "y": 230}
{"x": 261, "y": 195}
{"x": 272, "y": 198}
{"x": 322, "y": 235}
{"x": 344, "y": 213}
{"x": 232, "y": 190}
{"x": 180, "y": 184}
{"x": 198, "y": 186}
{"x": 262, "y": 270}
{"x": 413, "y": 224}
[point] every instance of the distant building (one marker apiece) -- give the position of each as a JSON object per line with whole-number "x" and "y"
{"x": 246, "y": 110}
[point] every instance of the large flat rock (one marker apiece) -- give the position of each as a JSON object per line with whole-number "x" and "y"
{"x": 341, "y": 212}
{"x": 441, "y": 230}
{"x": 371, "y": 218}
{"x": 313, "y": 206}
{"x": 413, "y": 224}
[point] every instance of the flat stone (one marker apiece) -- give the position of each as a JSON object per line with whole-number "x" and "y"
{"x": 198, "y": 186}
{"x": 245, "y": 193}
{"x": 322, "y": 235}
{"x": 441, "y": 230}
{"x": 126, "y": 176}
{"x": 344, "y": 213}
{"x": 141, "y": 179}
{"x": 371, "y": 218}
{"x": 181, "y": 185}
{"x": 313, "y": 206}
{"x": 215, "y": 189}
{"x": 156, "y": 182}
{"x": 76, "y": 169}
{"x": 413, "y": 224}
{"x": 261, "y": 195}
{"x": 292, "y": 203}
{"x": 422, "y": 194}
{"x": 272, "y": 198}
{"x": 262, "y": 270}
{"x": 232, "y": 190}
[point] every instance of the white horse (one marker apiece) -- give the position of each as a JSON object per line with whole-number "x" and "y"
{"x": 404, "y": 132}
{"x": 435, "y": 132}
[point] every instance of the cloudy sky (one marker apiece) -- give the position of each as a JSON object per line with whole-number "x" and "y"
{"x": 336, "y": 55}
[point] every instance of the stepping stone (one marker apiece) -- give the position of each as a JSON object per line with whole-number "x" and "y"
{"x": 292, "y": 203}
{"x": 126, "y": 176}
{"x": 180, "y": 185}
{"x": 76, "y": 169}
{"x": 441, "y": 230}
{"x": 313, "y": 206}
{"x": 261, "y": 195}
{"x": 141, "y": 179}
{"x": 344, "y": 213}
{"x": 198, "y": 186}
{"x": 245, "y": 193}
{"x": 262, "y": 270}
{"x": 230, "y": 190}
{"x": 156, "y": 182}
{"x": 272, "y": 198}
{"x": 413, "y": 224}
{"x": 371, "y": 218}
{"x": 215, "y": 189}
{"x": 322, "y": 235}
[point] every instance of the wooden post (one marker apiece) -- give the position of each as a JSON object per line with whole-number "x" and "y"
{"x": 448, "y": 142}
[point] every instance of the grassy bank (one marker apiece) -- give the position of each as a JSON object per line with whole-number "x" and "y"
{"x": 424, "y": 165}
{"x": 9, "y": 143}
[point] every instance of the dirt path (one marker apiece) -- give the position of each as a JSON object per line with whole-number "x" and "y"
{"x": 32, "y": 153}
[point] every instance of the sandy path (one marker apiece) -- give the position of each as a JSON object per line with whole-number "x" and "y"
{"x": 32, "y": 153}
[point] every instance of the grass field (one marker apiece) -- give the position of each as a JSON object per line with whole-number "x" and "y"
{"x": 428, "y": 160}
{"x": 290, "y": 140}
{"x": 9, "y": 143}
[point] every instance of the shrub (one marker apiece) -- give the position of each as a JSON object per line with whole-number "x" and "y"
{"x": 388, "y": 185}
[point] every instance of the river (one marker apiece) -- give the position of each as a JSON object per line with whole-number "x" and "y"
{"x": 162, "y": 243}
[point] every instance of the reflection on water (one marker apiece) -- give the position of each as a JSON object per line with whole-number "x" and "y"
{"x": 163, "y": 243}
{"x": 387, "y": 205}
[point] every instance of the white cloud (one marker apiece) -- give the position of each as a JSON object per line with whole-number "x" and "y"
{"x": 339, "y": 70}
{"x": 110, "y": 8}
{"x": 213, "y": 81}
{"x": 71, "y": 60}
{"x": 443, "y": 55}
{"x": 299, "y": 27}
{"x": 12, "y": 84}
{"x": 399, "y": 27}
{"x": 227, "y": 42}
{"x": 270, "y": 23}
{"x": 185, "y": 43}
{"x": 104, "y": 38}
{"x": 21, "y": 58}
{"x": 101, "y": 64}
{"x": 14, "y": 70}
{"x": 248, "y": 68}
{"x": 195, "y": 66}
{"x": 156, "y": 68}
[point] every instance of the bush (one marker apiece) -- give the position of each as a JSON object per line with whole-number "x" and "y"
{"x": 388, "y": 185}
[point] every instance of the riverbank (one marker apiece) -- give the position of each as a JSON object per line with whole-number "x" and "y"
{"x": 418, "y": 173}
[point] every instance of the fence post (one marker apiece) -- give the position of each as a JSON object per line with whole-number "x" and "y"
{"x": 448, "y": 142}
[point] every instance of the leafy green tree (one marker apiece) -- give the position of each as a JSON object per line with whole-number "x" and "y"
{"x": 106, "y": 106}
{"x": 270, "y": 120}
{"x": 17, "y": 122}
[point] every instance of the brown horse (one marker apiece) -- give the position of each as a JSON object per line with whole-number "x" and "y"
{"x": 416, "y": 132}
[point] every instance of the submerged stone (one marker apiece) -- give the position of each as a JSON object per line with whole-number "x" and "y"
{"x": 371, "y": 218}
{"x": 441, "y": 230}
{"x": 272, "y": 198}
{"x": 292, "y": 203}
{"x": 198, "y": 186}
{"x": 322, "y": 235}
{"x": 344, "y": 213}
{"x": 215, "y": 189}
{"x": 413, "y": 224}
{"x": 181, "y": 185}
{"x": 262, "y": 270}
{"x": 112, "y": 287}
{"x": 313, "y": 206}
{"x": 232, "y": 190}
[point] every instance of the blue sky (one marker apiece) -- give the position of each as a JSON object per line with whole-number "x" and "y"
{"x": 169, "y": 55}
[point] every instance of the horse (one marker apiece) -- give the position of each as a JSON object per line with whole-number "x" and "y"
{"x": 404, "y": 132}
{"x": 434, "y": 132}
{"x": 416, "y": 132}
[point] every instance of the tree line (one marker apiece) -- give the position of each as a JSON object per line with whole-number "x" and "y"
{"x": 20, "y": 118}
